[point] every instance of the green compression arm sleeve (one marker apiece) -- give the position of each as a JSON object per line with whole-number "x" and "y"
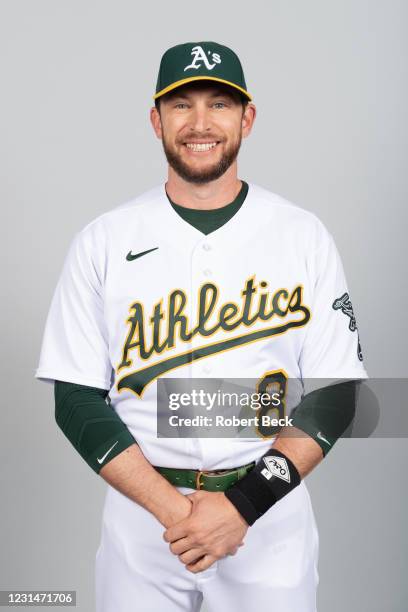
{"x": 325, "y": 414}
{"x": 90, "y": 423}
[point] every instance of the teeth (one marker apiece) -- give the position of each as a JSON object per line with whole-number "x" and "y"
{"x": 201, "y": 146}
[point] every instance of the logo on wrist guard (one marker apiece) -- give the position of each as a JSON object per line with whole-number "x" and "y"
{"x": 276, "y": 466}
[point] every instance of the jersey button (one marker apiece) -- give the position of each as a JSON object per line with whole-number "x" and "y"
{"x": 206, "y": 369}
{"x": 206, "y": 246}
{"x": 207, "y": 272}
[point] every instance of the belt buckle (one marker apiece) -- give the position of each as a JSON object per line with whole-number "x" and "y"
{"x": 210, "y": 473}
{"x": 200, "y": 473}
{"x": 198, "y": 482}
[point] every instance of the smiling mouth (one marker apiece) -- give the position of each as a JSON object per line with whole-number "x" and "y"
{"x": 201, "y": 146}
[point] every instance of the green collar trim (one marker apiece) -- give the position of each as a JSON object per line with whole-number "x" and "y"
{"x": 208, "y": 220}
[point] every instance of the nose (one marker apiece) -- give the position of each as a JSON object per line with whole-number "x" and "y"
{"x": 200, "y": 118}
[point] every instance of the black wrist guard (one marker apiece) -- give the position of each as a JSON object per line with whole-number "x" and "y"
{"x": 271, "y": 479}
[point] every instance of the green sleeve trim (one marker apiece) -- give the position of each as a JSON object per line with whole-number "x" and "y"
{"x": 325, "y": 414}
{"x": 91, "y": 425}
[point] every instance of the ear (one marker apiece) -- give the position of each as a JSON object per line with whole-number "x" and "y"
{"x": 248, "y": 119}
{"x": 155, "y": 120}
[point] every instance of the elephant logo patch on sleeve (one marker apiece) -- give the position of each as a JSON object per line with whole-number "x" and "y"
{"x": 343, "y": 303}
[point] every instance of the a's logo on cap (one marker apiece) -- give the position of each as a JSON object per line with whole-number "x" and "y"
{"x": 200, "y": 56}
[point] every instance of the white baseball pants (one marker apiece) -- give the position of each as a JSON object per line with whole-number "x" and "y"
{"x": 275, "y": 570}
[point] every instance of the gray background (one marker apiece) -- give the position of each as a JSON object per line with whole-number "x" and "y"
{"x": 330, "y": 82}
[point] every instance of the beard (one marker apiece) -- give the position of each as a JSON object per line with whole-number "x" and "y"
{"x": 205, "y": 175}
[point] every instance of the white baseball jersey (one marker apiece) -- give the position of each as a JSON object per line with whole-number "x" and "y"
{"x": 143, "y": 294}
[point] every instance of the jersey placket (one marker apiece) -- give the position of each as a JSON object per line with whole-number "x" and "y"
{"x": 204, "y": 270}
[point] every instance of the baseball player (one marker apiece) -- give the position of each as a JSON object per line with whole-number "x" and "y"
{"x": 205, "y": 276}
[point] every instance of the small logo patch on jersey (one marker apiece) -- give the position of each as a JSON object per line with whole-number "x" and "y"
{"x": 131, "y": 257}
{"x": 200, "y": 57}
{"x": 277, "y": 466}
{"x": 343, "y": 303}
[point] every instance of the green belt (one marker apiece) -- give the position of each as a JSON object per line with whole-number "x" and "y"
{"x": 217, "y": 480}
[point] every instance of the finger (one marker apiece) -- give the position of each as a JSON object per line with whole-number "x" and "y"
{"x": 176, "y": 532}
{"x": 202, "y": 564}
{"x": 181, "y": 546}
{"x": 190, "y": 556}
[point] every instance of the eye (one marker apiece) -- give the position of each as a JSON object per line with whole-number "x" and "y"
{"x": 219, "y": 104}
{"x": 180, "y": 105}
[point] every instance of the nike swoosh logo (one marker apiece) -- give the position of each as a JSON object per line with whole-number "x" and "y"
{"x": 102, "y": 459}
{"x": 319, "y": 435}
{"x": 131, "y": 257}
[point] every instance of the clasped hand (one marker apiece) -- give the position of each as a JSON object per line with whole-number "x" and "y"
{"x": 213, "y": 530}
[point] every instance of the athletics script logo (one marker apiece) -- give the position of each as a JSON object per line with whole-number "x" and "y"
{"x": 201, "y": 57}
{"x": 168, "y": 328}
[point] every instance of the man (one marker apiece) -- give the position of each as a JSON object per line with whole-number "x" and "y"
{"x": 206, "y": 276}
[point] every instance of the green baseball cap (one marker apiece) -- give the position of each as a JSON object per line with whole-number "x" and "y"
{"x": 200, "y": 61}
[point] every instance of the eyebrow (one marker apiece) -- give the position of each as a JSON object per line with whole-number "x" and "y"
{"x": 215, "y": 94}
